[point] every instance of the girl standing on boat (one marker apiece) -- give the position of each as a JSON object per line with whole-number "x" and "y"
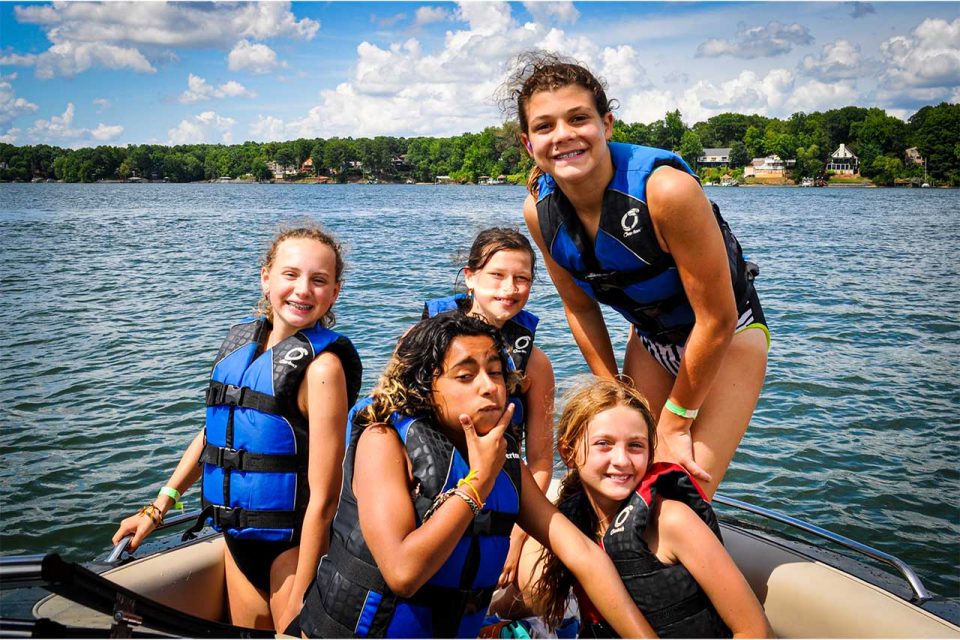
{"x": 271, "y": 450}
{"x": 651, "y": 519}
{"x": 499, "y": 274}
{"x": 630, "y": 227}
{"x": 433, "y": 485}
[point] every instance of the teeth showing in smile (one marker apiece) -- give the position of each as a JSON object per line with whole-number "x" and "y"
{"x": 569, "y": 154}
{"x": 618, "y": 478}
{"x": 301, "y": 307}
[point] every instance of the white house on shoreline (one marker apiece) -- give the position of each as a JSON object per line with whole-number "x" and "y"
{"x": 719, "y": 157}
{"x": 843, "y": 161}
{"x": 770, "y": 167}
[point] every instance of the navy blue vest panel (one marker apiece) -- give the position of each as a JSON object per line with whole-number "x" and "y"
{"x": 625, "y": 267}
{"x": 670, "y": 598}
{"x": 255, "y": 450}
{"x": 350, "y": 598}
{"x": 519, "y": 333}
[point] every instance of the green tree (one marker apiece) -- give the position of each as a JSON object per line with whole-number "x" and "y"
{"x": 935, "y": 131}
{"x": 739, "y": 156}
{"x": 690, "y": 148}
{"x": 885, "y": 169}
{"x": 753, "y": 140}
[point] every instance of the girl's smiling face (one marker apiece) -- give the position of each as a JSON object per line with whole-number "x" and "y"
{"x": 471, "y": 383}
{"x": 613, "y": 457}
{"x": 301, "y": 284}
{"x": 501, "y": 287}
{"x": 567, "y": 136}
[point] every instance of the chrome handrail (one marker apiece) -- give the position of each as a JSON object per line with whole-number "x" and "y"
{"x": 173, "y": 521}
{"x": 905, "y": 570}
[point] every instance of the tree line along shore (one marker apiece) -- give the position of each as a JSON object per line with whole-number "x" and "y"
{"x": 888, "y": 150}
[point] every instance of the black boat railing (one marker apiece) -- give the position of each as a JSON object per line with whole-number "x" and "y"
{"x": 905, "y": 570}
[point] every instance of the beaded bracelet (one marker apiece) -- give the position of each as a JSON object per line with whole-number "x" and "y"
{"x": 470, "y": 502}
{"x": 152, "y": 512}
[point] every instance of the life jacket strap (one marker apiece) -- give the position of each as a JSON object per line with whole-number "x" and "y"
{"x": 224, "y": 518}
{"x": 230, "y": 395}
{"x": 354, "y": 569}
{"x": 492, "y": 523}
{"x": 241, "y": 460}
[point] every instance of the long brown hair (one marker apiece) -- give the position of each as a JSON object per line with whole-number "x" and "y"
{"x": 535, "y": 71}
{"x": 582, "y": 405}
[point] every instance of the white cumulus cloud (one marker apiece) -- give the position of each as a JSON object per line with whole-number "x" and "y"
{"x": 837, "y": 61}
{"x": 208, "y": 127}
{"x": 253, "y": 57}
{"x": 563, "y": 12}
{"x": 428, "y": 15}
{"x": 198, "y": 90}
{"x": 929, "y": 57}
{"x": 774, "y": 39}
{"x": 129, "y": 35}
{"x": 60, "y": 130}
{"x": 405, "y": 89}
{"x": 10, "y": 105}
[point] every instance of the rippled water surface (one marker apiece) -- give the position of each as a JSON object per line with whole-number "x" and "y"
{"x": 117, "y": 297}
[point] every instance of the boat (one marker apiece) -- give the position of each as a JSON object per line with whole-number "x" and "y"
{"x": 729, "y": 183}
{"x": 811, "y": 582}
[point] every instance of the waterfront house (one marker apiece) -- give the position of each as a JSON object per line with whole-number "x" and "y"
{"x": 443, "y": 180}
{"x": 913, "y": 157}
{"x": 770, "y": 167}
{"x": 281, "y": 170}
{"x": 307, "y": 166}
{"x": 843, "y": 161}
{"x": 719, "y": 157}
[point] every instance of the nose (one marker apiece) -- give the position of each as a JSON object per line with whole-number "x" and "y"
{"x": 618, "y": 456}
{"x": 510, "y": 284}
{"x": 488, "y": 385}
{"x": 302, "y": 286}
{"x": 562, "y": 131}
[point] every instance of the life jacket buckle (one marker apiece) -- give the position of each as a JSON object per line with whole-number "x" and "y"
{"x": 227, "y": 517}
{"x": 233, "y": 395}
{"x": 230, "y": 458}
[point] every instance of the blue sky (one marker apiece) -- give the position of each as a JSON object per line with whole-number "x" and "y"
{"x": 78, "y": 74}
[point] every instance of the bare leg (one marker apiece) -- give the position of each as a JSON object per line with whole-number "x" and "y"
{"x": 727, "y": 409}
{"x": 283, "y": 571}
{"x": 247, "y": 605}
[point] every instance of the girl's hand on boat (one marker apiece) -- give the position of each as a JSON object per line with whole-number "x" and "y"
{"x": 138, "y": 525}
{"x": 486, "y": 453}
{"x": 675, "y": 443}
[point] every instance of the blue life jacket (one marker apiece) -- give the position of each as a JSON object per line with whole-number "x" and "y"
{"x": 625, "y": 267}
{"x": 672, "y": 601}
{"x": 518, "y": 332}
{"x": 350, "y": 598}
{"x": 255, "y": 440}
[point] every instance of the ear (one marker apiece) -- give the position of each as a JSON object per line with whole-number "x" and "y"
{"x": 525, "y": 139}
{"x": 264, "y": 279}
{"x": 469, "y": 277}
{"x": 608, "y": 125}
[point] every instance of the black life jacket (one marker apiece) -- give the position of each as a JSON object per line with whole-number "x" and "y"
{"x": 350, "y": 598}
{"x": 625, "y": 267}
{"x": 668, "y": 596}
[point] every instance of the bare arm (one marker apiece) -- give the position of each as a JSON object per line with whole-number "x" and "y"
{"x": 688, "y": 539}
{"x": 407, "y": 555}
{"x": 323, "y": 399}
{"x": 586, "y": 321}
{"x": 539, "y": 389}
{"x": 592, "y": 567}
{"x": 539, "y": 395}
{"x": 686, "y": 227}
{"x": 187, "y": 472}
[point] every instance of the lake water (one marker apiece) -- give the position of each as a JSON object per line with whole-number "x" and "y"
{"x": 117, "y": 297}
